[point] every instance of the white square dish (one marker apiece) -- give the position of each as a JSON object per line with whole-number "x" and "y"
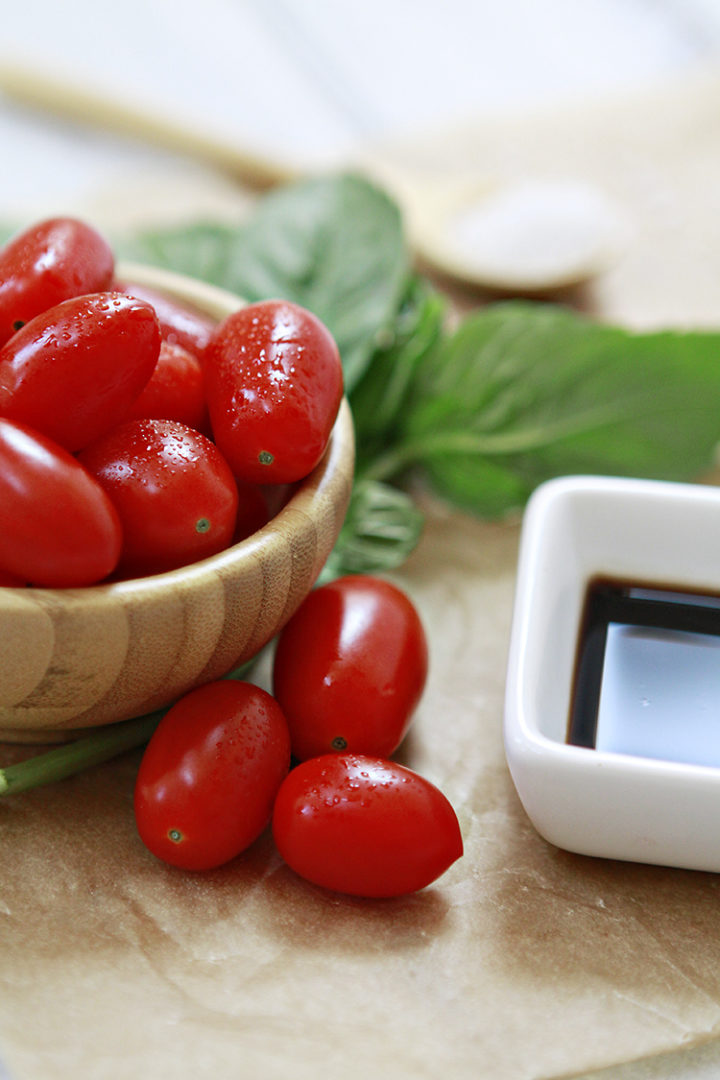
{"x": 608, "y": 802}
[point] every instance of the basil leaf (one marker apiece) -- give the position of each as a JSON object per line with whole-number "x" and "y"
{"x": 522, "y": 392}
{"x": 381, "y": 528}
{"x": 335, "y": 245}
{"x": 202, "y": 250}
{"x": 381, "y": 397}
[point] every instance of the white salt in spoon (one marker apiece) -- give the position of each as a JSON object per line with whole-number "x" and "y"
{"x": 532, "y": 236}
{"x": 527, "y": 236}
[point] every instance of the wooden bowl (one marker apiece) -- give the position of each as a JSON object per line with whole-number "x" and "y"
{"x": 73, "y": 659}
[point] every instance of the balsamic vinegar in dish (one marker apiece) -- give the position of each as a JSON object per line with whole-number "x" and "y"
{"x": 647, "y": 673}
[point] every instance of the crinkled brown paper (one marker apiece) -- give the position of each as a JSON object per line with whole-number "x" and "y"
{"x": 523, "y": 961}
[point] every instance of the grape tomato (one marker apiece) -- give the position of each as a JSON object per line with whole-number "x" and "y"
{"x": 209, "y": 775}
{"x": 59, "y": 528}
{"x": 51, "y": 261}
{"x": 175, "y": 390}
{"x": 252, "y": 512}
{"x": 180, "y": 324}
{"x": 364, "y": 826}
{"x": 74, "y": 371}
{"x": 350, "y": 667}
{"x": 274, "y": 383}
{"x": 173, "y": 491}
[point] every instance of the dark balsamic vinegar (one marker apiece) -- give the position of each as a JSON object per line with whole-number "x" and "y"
{"x": 675, "y": 622}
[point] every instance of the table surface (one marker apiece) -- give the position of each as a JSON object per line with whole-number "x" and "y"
{"x": 307, "y": 85}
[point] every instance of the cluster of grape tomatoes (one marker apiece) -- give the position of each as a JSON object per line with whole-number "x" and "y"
{"x": 135, "y": 437}
{"x": 313, "y": 757}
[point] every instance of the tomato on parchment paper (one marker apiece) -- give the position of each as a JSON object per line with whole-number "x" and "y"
{"x": 350, "y": 668}
{"x": 209, "y": 775}
{"x": 364, "y": 826}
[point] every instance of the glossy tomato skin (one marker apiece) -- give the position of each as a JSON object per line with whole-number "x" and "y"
{"x": 12, "y": 581}
{"x": 364, "y": 826}
{"x": 173, "y": 491}
{"x": 253, "y": 511}
{"x": 209, "y": 775}
{"x": 350, "y": 668}
{"x": 180, "y": 324}
{"x": 52, "y": 261}
{"x": 74, "y": 371}
{"x": 59, "y": 527}
{"x": 175, "y": 390}
{"x": 274, "y": 385}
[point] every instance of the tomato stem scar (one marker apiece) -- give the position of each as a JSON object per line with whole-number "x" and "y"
{"x": 175, "y": 835}
{"x": 202, "y": 525}
{"x": 265, "y": 457}
{"x": 339, "y": 743}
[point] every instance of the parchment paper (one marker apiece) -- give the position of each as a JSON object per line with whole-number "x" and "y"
{"x": 522, "y": 961}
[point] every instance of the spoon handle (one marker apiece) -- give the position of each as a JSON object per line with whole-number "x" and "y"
{"x": 83, "y": 104}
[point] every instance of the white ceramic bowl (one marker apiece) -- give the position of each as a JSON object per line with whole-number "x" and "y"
{"x": 598, "y": 802}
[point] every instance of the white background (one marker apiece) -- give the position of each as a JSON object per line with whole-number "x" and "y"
{"x": 307, "y": 82}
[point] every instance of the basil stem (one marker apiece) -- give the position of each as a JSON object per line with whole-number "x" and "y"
{"x": 100, "y": 745}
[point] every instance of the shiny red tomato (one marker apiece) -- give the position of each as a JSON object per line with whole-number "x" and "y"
{"x": 253, "y": 511}
{"x": 59, "y": 527}
{"x": 180, "y": 323}
{"x": 350, "y": 667}
{"x": 273, "y": 380}
{"x": 364, "y": 826}
{"x": 74, "y": 371}
{"x": 172, "y": 489}
{"x": 14, "y": 581}
{"x": 47, "y": 263}
{"x": 209, "y": 775}
{"x": 175, "y": 390}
